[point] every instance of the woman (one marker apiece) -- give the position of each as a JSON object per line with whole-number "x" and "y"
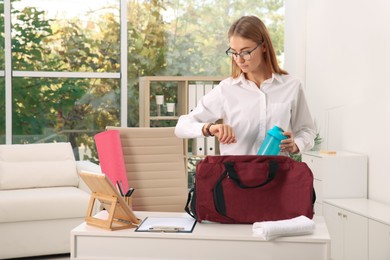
{"x": 257, "y": 96}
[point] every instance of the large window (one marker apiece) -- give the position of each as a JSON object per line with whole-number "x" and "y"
{"x": 75, "y": 64}
{"x": 65, "y": 59}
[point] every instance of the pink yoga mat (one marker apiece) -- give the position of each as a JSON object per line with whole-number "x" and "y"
{"x": 109, "y": 148}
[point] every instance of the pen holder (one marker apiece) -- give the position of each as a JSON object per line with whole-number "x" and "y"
{"x": 129, "y": 201}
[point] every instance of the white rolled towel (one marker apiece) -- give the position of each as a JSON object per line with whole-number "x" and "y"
{"x": 268, "y": 230}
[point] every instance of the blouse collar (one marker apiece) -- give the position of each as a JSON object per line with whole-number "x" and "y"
{"x": 243, "y": 80}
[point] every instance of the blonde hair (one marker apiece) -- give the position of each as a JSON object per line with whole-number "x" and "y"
{"x": 252, "y": 28}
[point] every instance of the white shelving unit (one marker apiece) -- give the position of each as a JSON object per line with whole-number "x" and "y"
{"x": 340, "y": 175}
{"x": 349, "y": 233}
{"x": 359, "y": 229}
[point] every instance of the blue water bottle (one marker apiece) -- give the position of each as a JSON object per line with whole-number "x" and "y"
{"x": 270, "y": 145}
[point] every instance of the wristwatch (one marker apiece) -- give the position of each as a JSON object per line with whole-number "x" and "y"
{"x": 208, "y": 129}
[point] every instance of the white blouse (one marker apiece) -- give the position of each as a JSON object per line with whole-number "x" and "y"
{"x": 251, "y": 112}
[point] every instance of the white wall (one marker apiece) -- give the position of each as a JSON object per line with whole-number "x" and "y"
{"x": 295, "y": 38}
{"x": 347, "y": 78}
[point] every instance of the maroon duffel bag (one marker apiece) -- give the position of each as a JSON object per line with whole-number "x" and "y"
{"x": 251, "y": 188}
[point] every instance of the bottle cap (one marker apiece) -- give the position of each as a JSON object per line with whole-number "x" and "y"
{"x": 276, "y": 132}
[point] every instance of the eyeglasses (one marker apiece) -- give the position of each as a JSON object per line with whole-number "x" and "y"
{"x": 246, "y": 55}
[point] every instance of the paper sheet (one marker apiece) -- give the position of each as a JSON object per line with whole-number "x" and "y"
{"x": 183, "y": 224}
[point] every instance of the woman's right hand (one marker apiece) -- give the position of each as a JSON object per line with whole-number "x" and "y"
{"x": 224, "y": 133}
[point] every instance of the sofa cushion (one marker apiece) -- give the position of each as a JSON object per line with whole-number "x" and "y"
{"x": 43, "y": 204}
{"x": 37, "y": 165}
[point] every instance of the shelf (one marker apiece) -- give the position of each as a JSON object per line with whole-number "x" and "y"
{"x": 164, "y": 118}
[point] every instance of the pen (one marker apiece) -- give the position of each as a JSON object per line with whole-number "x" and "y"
{"x": 129, "y": 192}
{"x": 166, "y": 229}
{"x": 119, "y": 188}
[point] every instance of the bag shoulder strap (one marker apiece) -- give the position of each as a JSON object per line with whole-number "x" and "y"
{"x": 188, "y": 209}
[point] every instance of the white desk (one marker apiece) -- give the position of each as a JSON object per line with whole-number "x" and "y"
{"x": 207, "y": 241}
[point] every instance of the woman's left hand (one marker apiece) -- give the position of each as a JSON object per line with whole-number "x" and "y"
{"x": 288, "y": 145}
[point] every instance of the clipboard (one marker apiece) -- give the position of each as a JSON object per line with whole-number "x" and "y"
{"x": 167, "y": 225}
{"x": 120, "y": 214}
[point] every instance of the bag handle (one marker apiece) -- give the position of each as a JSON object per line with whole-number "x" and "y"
{"x": 231, "y": 173}
{"x": 219, "y": 199}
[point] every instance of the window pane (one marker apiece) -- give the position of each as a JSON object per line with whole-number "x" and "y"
{"x": 71, "y": 110}
{"x": 71, "y": 35}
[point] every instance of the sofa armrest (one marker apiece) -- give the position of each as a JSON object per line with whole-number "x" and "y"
{"x": 89, "y": 167}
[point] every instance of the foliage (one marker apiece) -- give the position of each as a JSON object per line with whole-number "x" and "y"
{"x": 197, "y": 33}
{"x": 146, "y": 48}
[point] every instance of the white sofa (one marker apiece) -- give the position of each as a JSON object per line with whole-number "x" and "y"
{"x": 42, "y": 198}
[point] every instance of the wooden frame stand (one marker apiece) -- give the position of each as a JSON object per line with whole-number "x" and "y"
{"x": 120, "y": 215}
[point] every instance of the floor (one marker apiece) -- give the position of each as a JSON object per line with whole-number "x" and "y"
{"x": 50, "y": 257}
